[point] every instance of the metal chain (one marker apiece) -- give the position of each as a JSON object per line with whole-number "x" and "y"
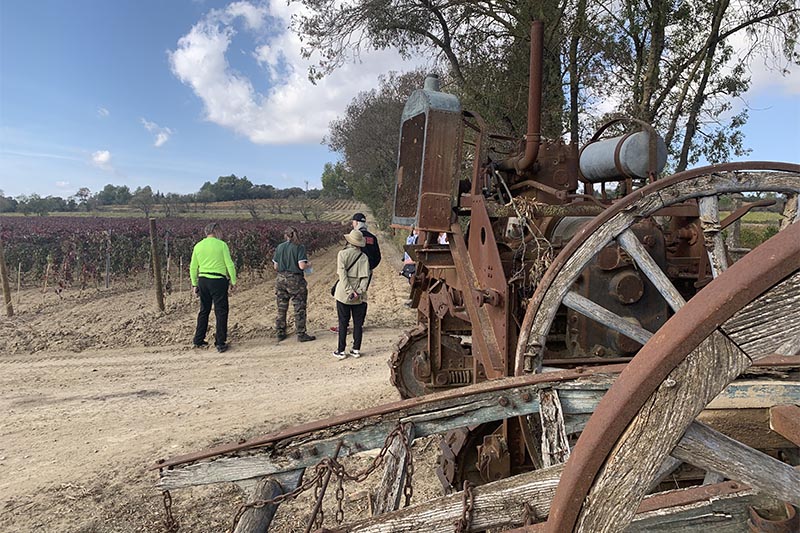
{"x": 340, "y": 501}
{"x": 319, "y": 518}
{"x": 336, "y": 468}
{"x": 464, "y": 524}
{"x": 170, "y": 524}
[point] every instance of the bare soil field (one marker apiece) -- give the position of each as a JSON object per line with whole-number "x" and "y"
{"x": 98, "y": 385}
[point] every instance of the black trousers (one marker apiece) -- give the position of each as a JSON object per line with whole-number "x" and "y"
{"x": 359, "y": 313}
{"x": 212, "y": 291}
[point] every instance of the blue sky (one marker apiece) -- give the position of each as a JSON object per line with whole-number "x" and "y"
{"x": 175, "y": 93}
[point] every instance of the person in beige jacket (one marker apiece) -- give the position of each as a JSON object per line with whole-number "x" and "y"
{"x": 352, "y": 267}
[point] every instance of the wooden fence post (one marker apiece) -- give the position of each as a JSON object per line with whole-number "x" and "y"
{"x": 4, "y": 281}
{"x": 108, "y": 257}
{"x": 387, "y": 495}
{"x": 156, "y": 265}
{"x": 258, "y": 519}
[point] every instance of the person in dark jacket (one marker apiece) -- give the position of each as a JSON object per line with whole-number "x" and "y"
{"x": 371, "y": 248}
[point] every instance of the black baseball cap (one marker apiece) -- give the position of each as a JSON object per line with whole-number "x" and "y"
{"x": 359, "y": 217}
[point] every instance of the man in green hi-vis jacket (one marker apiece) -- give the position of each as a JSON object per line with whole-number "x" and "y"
{"x": 212, "y": 272}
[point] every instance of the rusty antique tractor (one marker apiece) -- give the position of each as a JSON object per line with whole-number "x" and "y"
{"x": 507, "y": 218}
{"x": 595, "y": 349}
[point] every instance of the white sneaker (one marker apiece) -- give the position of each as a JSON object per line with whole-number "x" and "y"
{"x": 339, "y": 355}
{"x": 355, "y": 353}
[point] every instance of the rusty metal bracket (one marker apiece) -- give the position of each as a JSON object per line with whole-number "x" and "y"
{"x": 759, "y": 524}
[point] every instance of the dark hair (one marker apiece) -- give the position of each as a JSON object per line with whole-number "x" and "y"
{"x": 211, "y": 228}
{"x": 291, "y": 234}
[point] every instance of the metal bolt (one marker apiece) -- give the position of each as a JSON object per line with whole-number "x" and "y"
{"x": 526, "y": 397}
{"x": 503, "y": 401}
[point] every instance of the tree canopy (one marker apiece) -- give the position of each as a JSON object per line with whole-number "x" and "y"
{"x": 673, "y": 63}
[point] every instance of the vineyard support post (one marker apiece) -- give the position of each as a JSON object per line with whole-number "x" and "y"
{"x": 19, "y": 280}
{"x": 108, "y": 257}
{"x": 156, "y": 265}
{"x": 4, "y": 281}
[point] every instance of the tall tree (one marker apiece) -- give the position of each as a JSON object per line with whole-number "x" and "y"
{"x": 143, "y": 200}
{"x": 672, "y": 63}
{"x": 228, "y": 188}
{"x": 681, "y": 65}
{"x": 334, "y": 181}
{"x": 482, "y": 45}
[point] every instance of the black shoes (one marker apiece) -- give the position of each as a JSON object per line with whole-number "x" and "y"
{"x": 305, "y": 337}
{"x": 281, "y": 335}
{"x": 221, "y": 348}
{"x": 201, "y": 344}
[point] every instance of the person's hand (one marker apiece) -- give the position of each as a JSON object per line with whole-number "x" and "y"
{"x": 231, "y": 289}
{"x": 196, "y": 290}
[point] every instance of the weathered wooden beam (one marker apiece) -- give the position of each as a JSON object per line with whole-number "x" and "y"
{"x": 630, "y": 243}
{"x": 785, "y": 419}
{"x": 721, "y": 508}
{"x": 712, "y": 233}
{"x": 611, "y": 320}
{"x": 669, "y": 465}
{"x": 555, "y": 446}
{"x": 578, "y": 399}
{"x": 711, "y": 450}
{"x": 496, "y": 504}
{"x": 711, "y": 508}
{"x": 712, "y": 478}
{"x": 387, "y": 495}
{"x": 756, "y": 394}
{"x": 257, "y": 518}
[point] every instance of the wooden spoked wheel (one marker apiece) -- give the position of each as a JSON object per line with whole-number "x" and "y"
{"x": 750, "y": 311}
{"x": 706, "y": 185}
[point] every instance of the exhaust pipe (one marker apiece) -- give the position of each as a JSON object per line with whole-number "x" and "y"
{"x": 533, "y": 137}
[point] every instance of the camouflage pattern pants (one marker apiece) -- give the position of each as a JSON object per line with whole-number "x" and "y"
{"x": 290, "y": 286}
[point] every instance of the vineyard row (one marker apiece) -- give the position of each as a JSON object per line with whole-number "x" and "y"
{"x": 76, "y": 249}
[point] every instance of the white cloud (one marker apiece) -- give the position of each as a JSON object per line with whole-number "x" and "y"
{"x": 102, "y": 112}
{"x": 162, "y": 133}
{"x": 254, "y": 16}
{"x": 292, "y": 110}
{"x": 62, "y": 184}
{"x": 766, "y": 66}
{"x": 102, "y": 159}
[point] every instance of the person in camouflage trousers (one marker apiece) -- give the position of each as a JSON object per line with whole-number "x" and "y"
{"x": 291, "y": 263}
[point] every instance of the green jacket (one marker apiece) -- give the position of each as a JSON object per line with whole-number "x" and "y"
{"x": 354, "y": 280}
{"x": 211, "y": 258}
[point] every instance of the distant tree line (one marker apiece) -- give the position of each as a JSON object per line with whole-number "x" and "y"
{"x": 224, "y": 189}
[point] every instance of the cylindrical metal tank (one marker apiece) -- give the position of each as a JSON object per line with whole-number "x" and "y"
{"x": 598, "y": 162}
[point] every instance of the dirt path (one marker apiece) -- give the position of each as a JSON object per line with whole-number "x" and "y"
{"x": 81, "y": 426}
